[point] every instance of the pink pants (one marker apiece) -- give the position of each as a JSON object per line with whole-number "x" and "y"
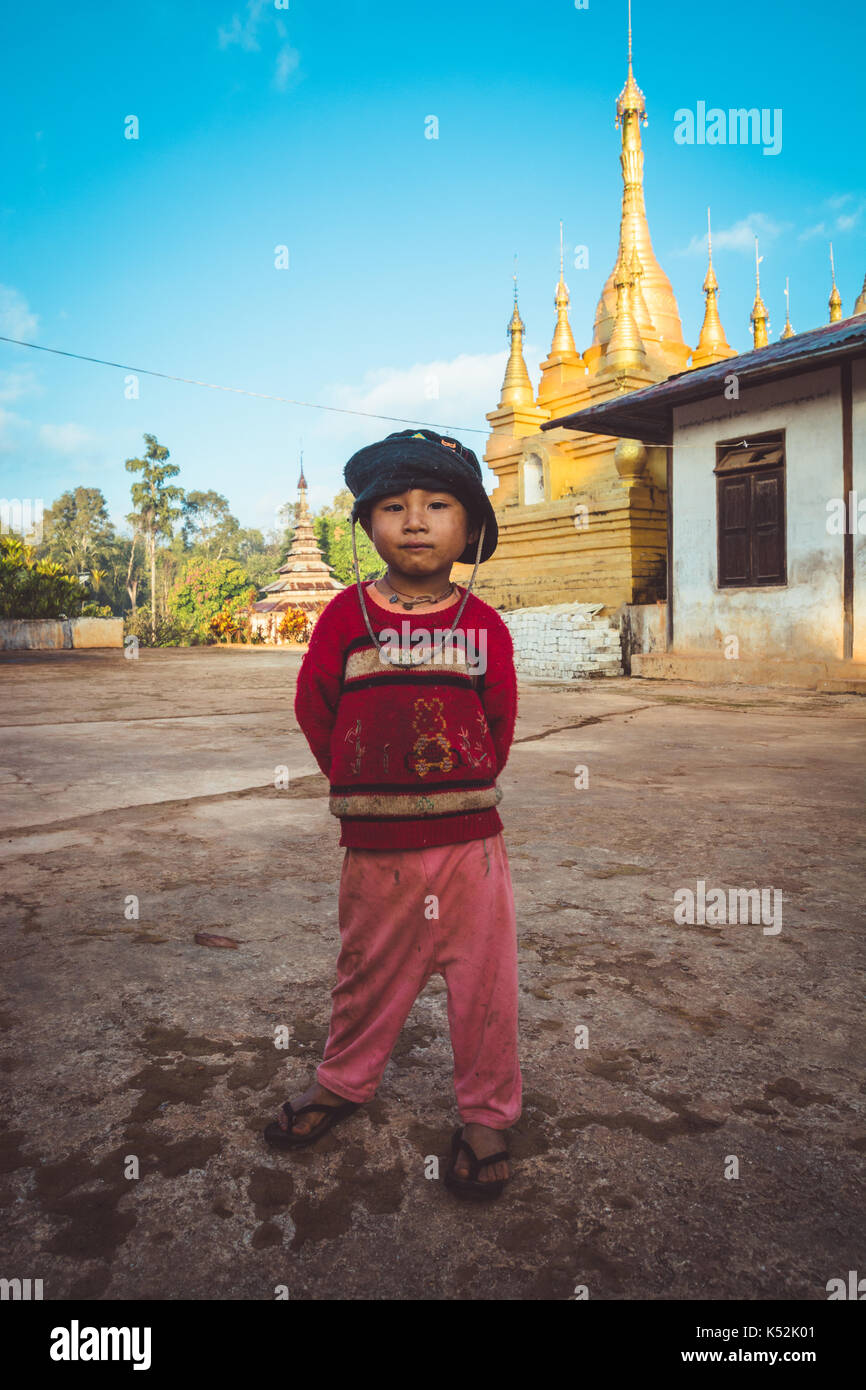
{"x": 395, "y": 935}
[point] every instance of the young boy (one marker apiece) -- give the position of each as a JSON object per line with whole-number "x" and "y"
{"x": 411, "y": 717}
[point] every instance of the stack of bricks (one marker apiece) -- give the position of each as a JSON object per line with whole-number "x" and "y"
{"x": 564, "y": 641}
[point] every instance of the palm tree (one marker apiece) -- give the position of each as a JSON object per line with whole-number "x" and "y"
{"x": 152, "y": 498}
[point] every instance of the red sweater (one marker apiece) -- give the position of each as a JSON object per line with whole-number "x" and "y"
{"x": 412, "y": 755}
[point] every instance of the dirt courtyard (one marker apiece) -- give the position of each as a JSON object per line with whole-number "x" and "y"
{"x": 708, "y": 1141}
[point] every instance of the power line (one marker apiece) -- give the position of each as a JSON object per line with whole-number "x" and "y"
{"x": 284, "y": 400}
{"x": 240, "y": 390}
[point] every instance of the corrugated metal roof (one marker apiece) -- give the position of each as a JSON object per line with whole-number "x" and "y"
{"x": 647, "y": 414}
{"x": 280, "y": 605}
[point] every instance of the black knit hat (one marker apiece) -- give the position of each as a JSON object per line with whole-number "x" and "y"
{"x": 425, "y": 459}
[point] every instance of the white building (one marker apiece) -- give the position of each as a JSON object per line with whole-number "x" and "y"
{"x": 766, "y": 493}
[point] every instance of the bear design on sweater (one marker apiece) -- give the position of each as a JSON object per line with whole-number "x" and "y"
{"x": 429, "y": 722}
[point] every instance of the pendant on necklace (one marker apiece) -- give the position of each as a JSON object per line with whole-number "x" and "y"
{"x": 403, "y": 658}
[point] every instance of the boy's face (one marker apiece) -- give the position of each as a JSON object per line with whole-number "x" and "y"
{"x": 402, "y": 523}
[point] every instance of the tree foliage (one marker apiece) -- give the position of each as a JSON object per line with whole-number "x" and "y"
{"x": 333, "y": 530}
{"x": 152, "y": 499}
{"x": 187, "y": 561}
{"x": 208, "y": 526}
{"x": 77, "y": 530}
{"x": 206, "y": 587}
{"x": 34, "y": 588}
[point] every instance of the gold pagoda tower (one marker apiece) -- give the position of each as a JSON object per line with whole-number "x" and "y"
{"x": 582, "y": 517}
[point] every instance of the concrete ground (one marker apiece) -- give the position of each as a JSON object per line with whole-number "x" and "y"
{"x": 711, "y": 1048}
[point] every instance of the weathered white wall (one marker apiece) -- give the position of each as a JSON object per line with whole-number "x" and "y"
{"x": 26, "y": 634}
{"x": 643, "y": 627}
{"x": 802, "y": 619}
{"x": 23, "y": 634}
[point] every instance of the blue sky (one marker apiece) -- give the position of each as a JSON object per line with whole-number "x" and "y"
{"x": 304, "y": 126}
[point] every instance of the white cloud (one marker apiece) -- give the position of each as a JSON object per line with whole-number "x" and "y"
{"x": 846, "y": 220}
{"x": 16, "y": 318}
{"x": 739, "y": 237}
{"x": 10, "y": 425}
{"x": 442, "y": 394}
{"x": 288, "y": 59}
{"x": 66, "y": 439}
{"x": 260, "y": 21}
{"x": 13, "y": 385}
{"x": 842, "y": 222}
{"x": 243, "y": 32}
{"x": 819, "y": 229}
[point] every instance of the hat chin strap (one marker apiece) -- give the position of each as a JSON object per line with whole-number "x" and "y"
{"x": 453, "y": 626}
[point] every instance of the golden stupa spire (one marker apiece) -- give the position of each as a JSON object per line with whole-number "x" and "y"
{"x": 759, "y": 315}
{"x": 835, "y": 296}
{"x": 563, "y": 370}
{"x": 712, "y": 344}
{"x": 563, "y": 339}
{"x": 860, "y": 306}
{"x": 638, "y": 303}
{"x": 516, "y": 387}
{"x": 631, "y": 98}
{"x": 653, "y": 302}
{"x": 787, "y": 331}
{"x": 625, "y": 351}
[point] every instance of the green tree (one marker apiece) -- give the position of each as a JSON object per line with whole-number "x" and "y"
{"x": 208, "y": 525}
{"x": 152, "y": 498}
{"x": 261, "y": 555}
{"x": 262, "y": 566}
{"x": 333, "y": 531}
{"x": 249, "y": 542}
{"x": 206, "y": 587}
{"x": 77, "y": 530}
{"x": 123, "y": 562}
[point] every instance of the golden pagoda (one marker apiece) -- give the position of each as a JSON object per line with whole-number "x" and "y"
{"x": 582, "y": 516}
{"x": 835, "y": 296}
{"x": 564, "y": 363}
{"x": 625, "y": 350}
{"x": 787, "y": 331}
{"x": 759, "y": 316}
{"x": 657, "y": 314}
{"x": 516, "y": 387}
{"x": 712, "y": 344}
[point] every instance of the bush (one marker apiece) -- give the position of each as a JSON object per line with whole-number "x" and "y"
{"x": 205, "y": 589}
{"x": 31, "y": 588}
{"x": 96, "y": 610}
{"x": 169, "y": 632}
{"x": 232, "y": 622}
{"x": 295, "y": 626}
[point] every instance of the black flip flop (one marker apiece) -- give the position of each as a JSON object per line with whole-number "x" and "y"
{"x": 470, "y": 1187}
{"x": 280, "y": 1138}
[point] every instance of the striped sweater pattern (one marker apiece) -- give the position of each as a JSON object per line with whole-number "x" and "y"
{"x": 412, "y": 754}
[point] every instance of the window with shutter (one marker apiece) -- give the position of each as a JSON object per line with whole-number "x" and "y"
{"x": 750, "y": 496}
